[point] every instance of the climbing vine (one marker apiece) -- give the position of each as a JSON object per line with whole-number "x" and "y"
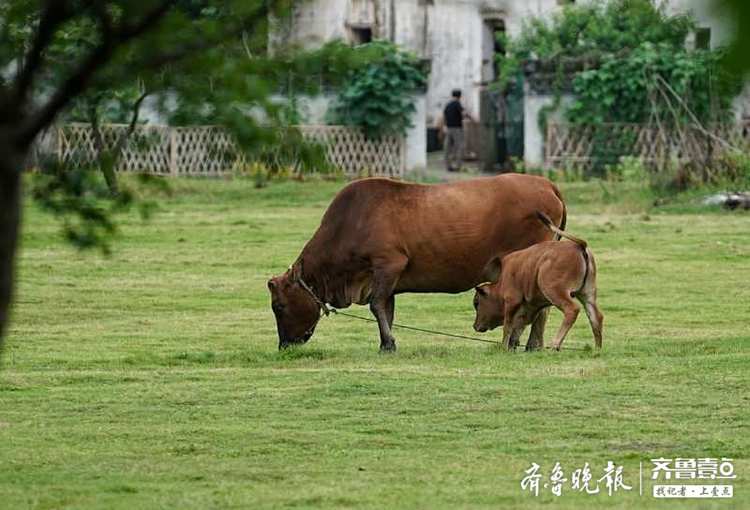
{"x": 621, "y": 61}
{"x": 618, "y": 59}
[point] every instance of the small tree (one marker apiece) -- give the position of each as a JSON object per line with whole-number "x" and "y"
{"x": 208, "y": 56}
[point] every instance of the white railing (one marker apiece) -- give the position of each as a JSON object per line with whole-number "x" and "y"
{"x": 211, "y": 150}
{"x": 585, "y": 145}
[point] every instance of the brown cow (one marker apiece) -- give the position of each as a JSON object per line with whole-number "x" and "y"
{"x": 548, "y": 273}
{"x": 381, "y": 237}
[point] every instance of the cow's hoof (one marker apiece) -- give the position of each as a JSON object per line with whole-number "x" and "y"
{"x": 388, "y": 347}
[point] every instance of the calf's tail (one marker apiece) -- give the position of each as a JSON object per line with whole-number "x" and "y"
{"x": 548, "y": 222}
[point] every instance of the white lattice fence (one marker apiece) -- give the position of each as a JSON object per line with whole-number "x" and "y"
{"x": 350, "y": 150}
{"x": 211, "y": 150}
{"x": 146, "y": 150}
{"x": 583, "y": 146}
{"x": 204, "y": 150}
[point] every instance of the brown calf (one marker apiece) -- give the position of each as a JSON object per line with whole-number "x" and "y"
{"x": 545, "y": 274}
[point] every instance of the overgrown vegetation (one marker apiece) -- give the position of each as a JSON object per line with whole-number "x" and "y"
{"x": 626, "y": 61}
{"x": 583, "y": 35}
{"x": 379, "y": 97}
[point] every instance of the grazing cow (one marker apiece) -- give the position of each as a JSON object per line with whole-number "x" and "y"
{"x": 381, "y": 237}
{"x": 548, "y": 273}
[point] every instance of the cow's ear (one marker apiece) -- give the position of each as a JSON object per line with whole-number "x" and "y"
{"x": 272, "y": 284}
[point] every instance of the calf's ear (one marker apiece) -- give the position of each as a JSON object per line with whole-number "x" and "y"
{"x": 271, "y": 284}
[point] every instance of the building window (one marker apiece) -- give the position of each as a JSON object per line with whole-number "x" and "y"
{"x": 360, "y": 35}
{"x": 703, "y": 38}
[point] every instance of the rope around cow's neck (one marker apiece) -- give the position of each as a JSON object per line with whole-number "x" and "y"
{"x": 327, "y": 311}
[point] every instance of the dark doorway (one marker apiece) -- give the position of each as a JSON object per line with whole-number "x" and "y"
{"x": 501, "y": 113}
{"x": 361, "y": 35}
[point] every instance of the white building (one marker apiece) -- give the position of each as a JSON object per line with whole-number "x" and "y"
{"x": 458, "y": 39}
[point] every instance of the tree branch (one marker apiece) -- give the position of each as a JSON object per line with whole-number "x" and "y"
{"x": 63, "y": 95}
{"x": 82, "y": 76}
{"x": 133, "y": 123}
{"x": 55, "y": 13}
{"x": 127, "y": 32}
{"x": 694, "y": 118}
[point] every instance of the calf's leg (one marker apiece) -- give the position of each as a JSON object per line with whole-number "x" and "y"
{"x": 570, "y": 311}
{"x": 510, "y": 324}
{"x": 536, "y": 337}
{"x": 595, "y": 319}
{"x": 515, "y": 336}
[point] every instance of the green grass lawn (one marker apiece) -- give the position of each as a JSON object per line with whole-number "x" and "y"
{"x": 151, "y": 378}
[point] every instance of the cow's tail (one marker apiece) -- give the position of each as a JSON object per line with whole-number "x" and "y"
{"x": 559, "y": 231}
{"x": 564, "y": 220}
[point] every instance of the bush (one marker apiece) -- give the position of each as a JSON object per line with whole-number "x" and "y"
{"x": 379, "y": 96}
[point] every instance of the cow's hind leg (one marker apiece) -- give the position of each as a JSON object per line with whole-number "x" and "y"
{"x": 382, "y": 301}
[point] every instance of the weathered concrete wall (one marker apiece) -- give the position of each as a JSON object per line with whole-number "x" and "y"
{"x": 313, "y": 24}
{"x": 416, "y": 137}
{"x": 706, "y": 16}
{"x": 452, "y": 34}
{"x": 449, "y": 33}
{"x": 534, "y": 137}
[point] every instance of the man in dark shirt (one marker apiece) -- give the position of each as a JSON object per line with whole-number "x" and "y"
{"x": 453, "y": 119}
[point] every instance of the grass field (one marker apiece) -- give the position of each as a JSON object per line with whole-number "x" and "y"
{"x": 151, "y": 379}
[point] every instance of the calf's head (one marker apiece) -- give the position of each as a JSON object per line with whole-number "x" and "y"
{"x": 296, "y": 311}
{"x": 489, "y": 306}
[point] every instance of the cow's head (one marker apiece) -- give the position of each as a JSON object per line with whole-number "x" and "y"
{"x": 489, "y": 306}
{"x": 297, "y": 313}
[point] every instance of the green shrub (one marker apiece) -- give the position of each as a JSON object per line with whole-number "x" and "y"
{"x": 379, "y": 97}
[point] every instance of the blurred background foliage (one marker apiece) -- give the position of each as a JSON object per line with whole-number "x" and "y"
{"x": 379, "y": 97}
{"x": 198, "y": 62}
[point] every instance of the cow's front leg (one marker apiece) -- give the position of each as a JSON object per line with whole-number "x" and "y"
{"x": 383, "y": 303}
{"x": 390, "y": 310}
{"x": 536, "y": 337}
{"x": 380, "y": 310}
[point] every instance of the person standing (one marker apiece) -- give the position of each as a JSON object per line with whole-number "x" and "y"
{"x": 453, "y": 121}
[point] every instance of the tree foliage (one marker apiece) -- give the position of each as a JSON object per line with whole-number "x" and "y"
{"x": 644, "y": 84}
{"x": 622, "y": 61}
{"x": 379, "y": 96}
{"x": 202, "y": 59}
{"x": 611, "y": 54}
{"x": 737, "y": 14}
{"x": 587, "y": 33}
